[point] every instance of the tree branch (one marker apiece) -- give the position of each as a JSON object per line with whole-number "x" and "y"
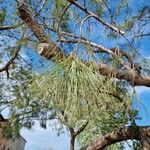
{"x": 122, "y": 134}
{"x": 142, "y": 35}
{"x": 131, "y": 76}
{"x": 49, "y": 50}
{"x": 9, "y": 27}
{"x": 81, "y": 129}
{"x": 110, "y": 26}
{"x": 11, "y": 61}
{"x": 111, "y": 51}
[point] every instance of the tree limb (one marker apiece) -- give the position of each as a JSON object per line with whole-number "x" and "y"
{"x": 111, "y": 51}
{"x": 9, "y": 27}
{"x": 50, "y": 49}
{"x": 10, "y": 62}
{"x": 110, "y": 26}
{"x": 81, "y": 129}
{"x": 122, "y": 134}
{"x": 131, "y": 76}
{"x": 142, "y": 35}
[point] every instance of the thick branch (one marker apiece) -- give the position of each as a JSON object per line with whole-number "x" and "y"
{"x": 123, "y": 134}
{"x": 129, "y": 75}
{"x": 117, "y": 52}
{"x": 27, "y": 15}
{"x": 49, "y": 50}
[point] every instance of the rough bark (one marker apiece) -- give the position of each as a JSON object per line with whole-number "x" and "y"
{"x": 140, "y": 133}
{"x": 27, "y": 15}
{"x": 145, "y": 139}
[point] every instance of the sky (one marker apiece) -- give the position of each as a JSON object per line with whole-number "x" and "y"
{"x": 45, "y": 139}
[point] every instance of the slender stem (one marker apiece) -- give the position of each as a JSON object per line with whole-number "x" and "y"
{"x": 72, "y": 138}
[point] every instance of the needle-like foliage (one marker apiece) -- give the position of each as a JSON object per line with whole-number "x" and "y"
{"x": 78, "y": 92}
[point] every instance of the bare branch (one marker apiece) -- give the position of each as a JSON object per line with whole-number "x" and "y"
{"x": 110, "y": 26}
{"x": 7, "y": 65}
{"x": 41, "y": 8}
{"x": 81, "y": 129}
{"x": 143, "y": 35}
{"x": 9, "y": 27}
{"x": 65, "y": 10}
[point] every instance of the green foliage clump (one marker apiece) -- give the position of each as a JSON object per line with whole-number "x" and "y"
{"x": 77, "y": 92}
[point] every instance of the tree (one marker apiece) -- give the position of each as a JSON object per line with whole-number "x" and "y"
{"x": 68, "y": 33}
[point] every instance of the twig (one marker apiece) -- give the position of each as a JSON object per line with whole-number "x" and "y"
{"x": 9, "y": 27}
{"x": 61, "y": 17}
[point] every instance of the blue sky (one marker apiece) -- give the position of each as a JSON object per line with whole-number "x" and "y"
{"x": 143, "y": 103}
{"x": 45, "y": 139}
